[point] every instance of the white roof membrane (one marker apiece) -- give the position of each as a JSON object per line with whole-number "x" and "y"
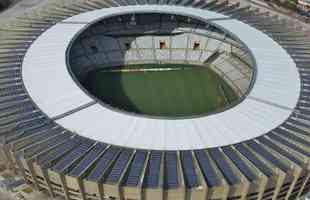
{"x": 45, "y": 73}
{"x": 269, "y": 103}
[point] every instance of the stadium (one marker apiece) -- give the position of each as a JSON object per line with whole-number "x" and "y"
{"x": 150, "y": 100}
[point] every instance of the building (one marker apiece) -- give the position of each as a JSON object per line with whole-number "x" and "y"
{"x": 304, "y": 7}
{"x": 66, "y": 142}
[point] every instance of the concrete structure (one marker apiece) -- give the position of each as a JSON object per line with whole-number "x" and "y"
{"x": 265, "y": 151}
{"x": 304, "y": 6}
{"x": 56, "y": 100}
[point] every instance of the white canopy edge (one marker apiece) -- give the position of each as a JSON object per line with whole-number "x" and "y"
{"x": 93, "y": 16}
{"x": 270, "y": 102}
{"x": 45, "y": 73}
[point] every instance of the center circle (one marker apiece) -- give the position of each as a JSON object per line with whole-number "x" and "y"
{"x": 161, "y": 65}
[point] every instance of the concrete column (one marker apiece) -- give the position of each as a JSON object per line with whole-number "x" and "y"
{"x": 303, "y": 185}
{"x": 280, "y": 181}
{"x": 262, "y": 186}
{"x": 64, "y": 186}
{"x": 296, "y": 174}
{"x": 48, "y": 183}
{"x": 33, "y": 175}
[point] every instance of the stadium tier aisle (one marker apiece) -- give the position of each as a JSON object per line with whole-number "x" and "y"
{"x": 156, "y": 100}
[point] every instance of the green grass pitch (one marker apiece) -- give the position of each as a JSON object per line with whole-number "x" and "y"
{"x": 184, "y": 90}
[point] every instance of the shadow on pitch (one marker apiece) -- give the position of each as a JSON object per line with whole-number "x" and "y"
{"x": 110, "y": 91}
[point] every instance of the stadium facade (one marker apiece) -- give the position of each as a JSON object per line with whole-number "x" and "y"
{"x": 66, "y": 142}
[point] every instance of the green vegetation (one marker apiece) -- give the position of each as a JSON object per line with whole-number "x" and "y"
{"x": 170, "y": 90}
{"x": 289, "y": 4}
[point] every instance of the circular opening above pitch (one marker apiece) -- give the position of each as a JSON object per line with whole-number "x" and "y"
{"x": 156, "y": 65}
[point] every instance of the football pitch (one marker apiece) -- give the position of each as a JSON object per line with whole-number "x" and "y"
{"x": 169, "y": 90}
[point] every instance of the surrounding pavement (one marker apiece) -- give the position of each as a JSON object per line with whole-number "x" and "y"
{"x": 34, "y": 196}
{"x": 6, "y": 196}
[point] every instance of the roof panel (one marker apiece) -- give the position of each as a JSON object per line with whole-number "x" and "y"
{"x": 190, "y": 176}
{"x": 224, "y": 166}
{"x": 103, "y": 163}
{"x": 288, "y": 144}
{"x": 267, "y": 155}
{"x": 58, "y": 152}
{"x": 171, "y": 170}
{"x": 208, "y": 171}
{"x": 254, "y": 160}
{"x": 136, "y": 168}
{"x": 118, "y": 168}
{"x": 240, "y": 164}
{"x": 293, "y": 137}
{"x": 152, "y": 172}
{"x": 76, "y": 153}
{"x": 88, "y": 159}
{"x": 279, "y": 150}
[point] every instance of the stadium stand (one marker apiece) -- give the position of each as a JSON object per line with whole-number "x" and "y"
{"x": 117, "y": 48}
{"x": 60, "y": 162}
